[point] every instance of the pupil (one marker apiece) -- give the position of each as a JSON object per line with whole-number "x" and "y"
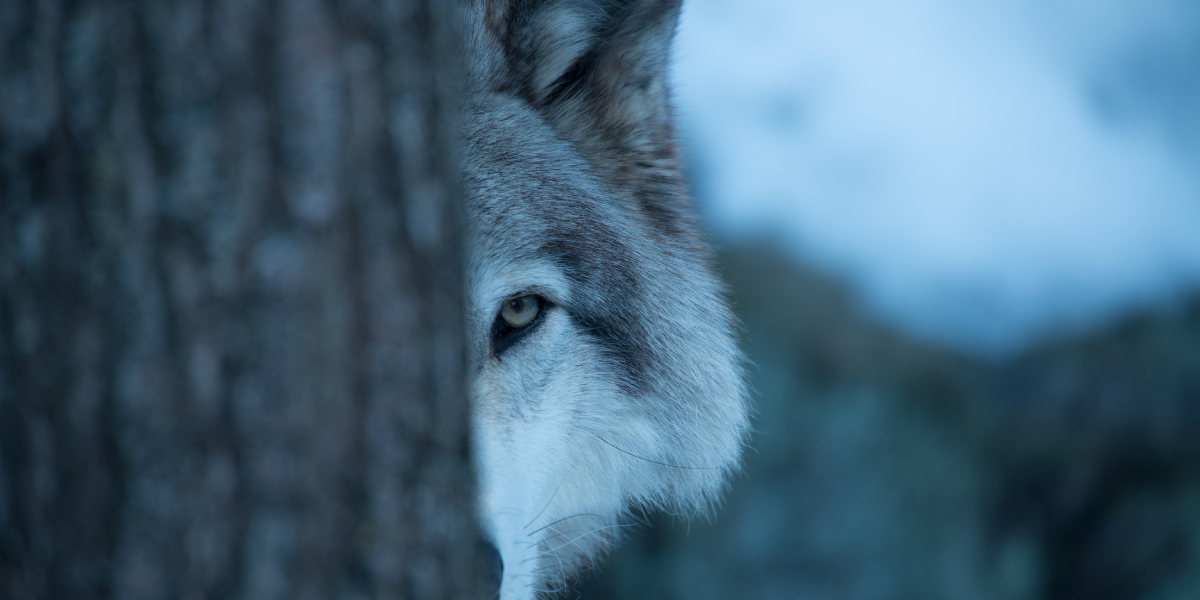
{"x": 519, "y": 312}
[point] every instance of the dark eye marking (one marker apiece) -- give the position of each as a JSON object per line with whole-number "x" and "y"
{"x": 517, "y": 317}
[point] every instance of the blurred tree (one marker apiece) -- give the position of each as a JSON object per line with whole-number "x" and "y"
{"x": 230, "y": 324}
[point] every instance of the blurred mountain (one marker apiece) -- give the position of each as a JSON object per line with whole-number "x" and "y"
{"x": 887, "y": 468}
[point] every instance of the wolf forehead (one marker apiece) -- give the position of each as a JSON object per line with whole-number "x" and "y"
{"x": 532, "y": 199}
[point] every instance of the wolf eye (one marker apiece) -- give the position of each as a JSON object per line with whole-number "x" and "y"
{"x": 519, "y": 312}
{"x": 517, "y": 317}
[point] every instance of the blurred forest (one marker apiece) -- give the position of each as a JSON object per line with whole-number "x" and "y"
{"x": 885, "y": 468}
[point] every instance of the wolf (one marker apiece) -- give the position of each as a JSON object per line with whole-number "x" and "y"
{"x": 605, "y": 373}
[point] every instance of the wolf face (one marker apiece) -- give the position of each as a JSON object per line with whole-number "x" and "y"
{"x": 604, "y": 370}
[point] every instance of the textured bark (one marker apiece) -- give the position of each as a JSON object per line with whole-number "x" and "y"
{"x": 230, "y": 301}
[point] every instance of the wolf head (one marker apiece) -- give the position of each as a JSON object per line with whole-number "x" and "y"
{"x": 605, "y": 374}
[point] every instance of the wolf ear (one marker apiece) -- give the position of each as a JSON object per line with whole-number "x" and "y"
{"x": 597, "y": 70}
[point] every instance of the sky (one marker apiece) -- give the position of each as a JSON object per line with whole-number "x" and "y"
{"x": 982, "y": 173}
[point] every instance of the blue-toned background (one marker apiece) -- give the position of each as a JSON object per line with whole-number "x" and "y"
{"x": 980, "y": 172}
{"x": 964, "y": 238}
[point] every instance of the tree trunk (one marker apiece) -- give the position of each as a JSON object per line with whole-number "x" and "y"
{"x": 231, "y": 358}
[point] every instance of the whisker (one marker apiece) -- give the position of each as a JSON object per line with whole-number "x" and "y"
{"x": 560, "y": 484}
{"x": 581, "y": 549}
{"x": 571, "y": 517}
{"x": 655, "y": 461}
{"x": 583, "y": 535}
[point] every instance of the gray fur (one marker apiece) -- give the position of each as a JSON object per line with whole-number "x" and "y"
{"x": 629, "y": 391}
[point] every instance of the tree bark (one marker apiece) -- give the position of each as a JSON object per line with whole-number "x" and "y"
{"x": 231, "y": 359}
